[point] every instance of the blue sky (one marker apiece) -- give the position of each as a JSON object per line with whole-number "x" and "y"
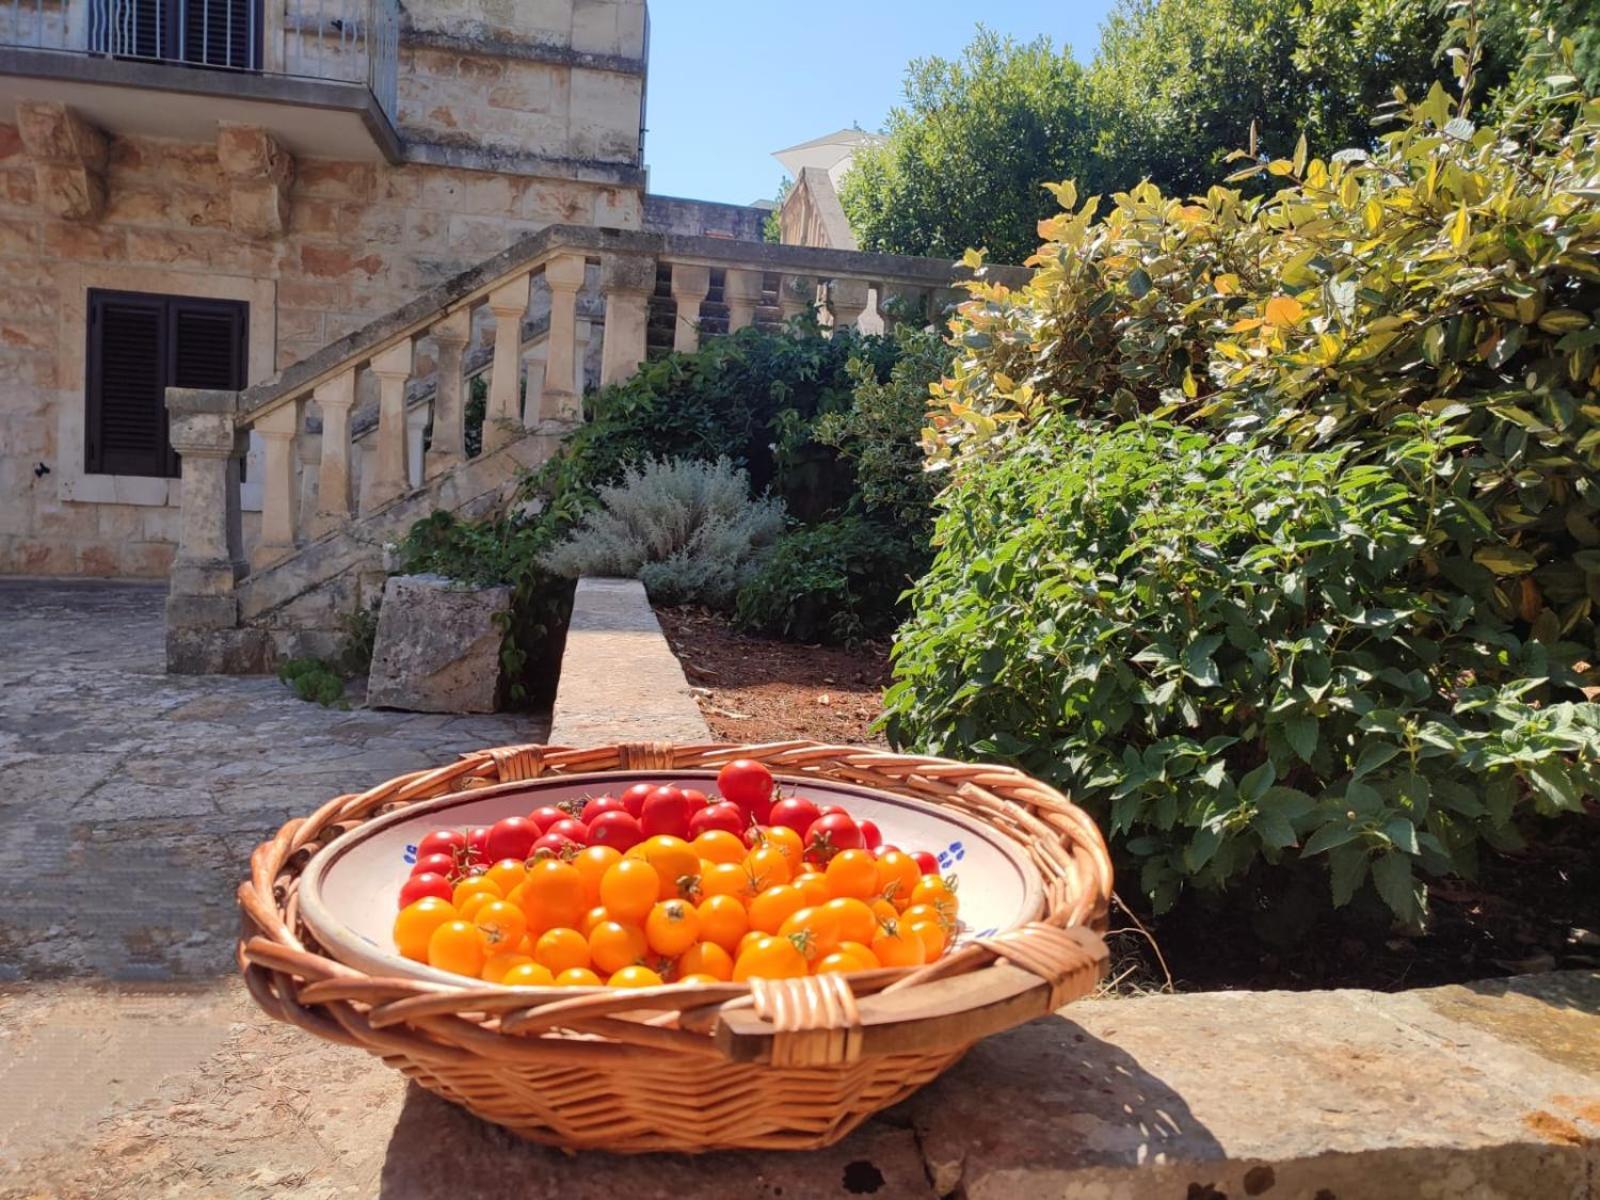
{"x": 732, "y": 82}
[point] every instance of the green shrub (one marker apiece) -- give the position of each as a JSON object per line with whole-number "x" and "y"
{"x": 1429, "y": 312}
{"x": 837, "y": 582}
{"x": 313, "y": 679}
{"x": 688, "y": 529}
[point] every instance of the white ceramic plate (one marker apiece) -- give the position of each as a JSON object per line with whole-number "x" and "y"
{"x": 349, "y": 890}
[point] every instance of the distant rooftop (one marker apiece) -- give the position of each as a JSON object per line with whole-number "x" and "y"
{"x": 825, "y": 152}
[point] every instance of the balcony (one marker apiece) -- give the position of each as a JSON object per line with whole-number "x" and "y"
{"x": 320, "y": 74}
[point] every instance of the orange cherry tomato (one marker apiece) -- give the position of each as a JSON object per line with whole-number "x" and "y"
{"x": 897, "y": 875}
{"x": 705, "y": 960}
{"x": 818, "y": 928}
{"x": 768, "y": 866}
{"x": 789, "y": 842}
{"x": 814, "y": 885}
{"x": 578, "y": 977}
{"x": 932, "y": 938}
{"x": 852, "y": 873}
{"x": 672, "y": 927}
{"x": 501, "y": 925}
{"x": 593, "y": 917}
{"x": 457, "y": 946}
{"x": 496, "y": 966}
{"x": 528, "y": 974}
{"x": 613, "y": 945}
{"x": 698, "y": 978}
{"x": 862, "y": 953}
{"x": 723, "y": 921}
{"x": 675, "y": 862}
{"x": 856, "y": 920}
{"x": 897, "y": 946}
{"x": 475, "y": 883}
{"x": 561, "y": 950}
{"x": 634, "y": 977}
{"x": 719, "y": 846}
{"x": 882, "y": 909}
{"x": 553, "y": 895}
{"x": 592, "y": 863}
{"x": 915, "y": 914}
{"x": 773, "y": 907}
{"x": 748, "y": 940}
{"x": 935, "y": 890}
{"x": 508, "y": 873}
{"x": 727, "y": 879}
{"x": 850, "y": 956}
{"x": 770, "y": 958}
{"x": 472, "y": 905}
{"x": 415, "y": 925}
{"x": 629, "y": 889}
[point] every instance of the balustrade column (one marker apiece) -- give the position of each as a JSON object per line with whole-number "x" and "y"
{"x": 449, "y": 436}
{"x": 689, "y": 288}
{"x": 210, "y": 554}
{"x": 280, "y": 490}
{"x": 897, "y": 304}
{"x": 626, "y": 282}
{"x": 560, "y": 399}
{"x": 390, "y": 477}
{"x": 797, "y": 294}
{"x": 741, "y": 292}
{"x": 847, "y": 299}
{"x": 502, "y": 420}
{"x": 335, "y": 398}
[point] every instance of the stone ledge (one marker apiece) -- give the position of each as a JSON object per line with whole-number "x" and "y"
{"x": 620, "y": 681}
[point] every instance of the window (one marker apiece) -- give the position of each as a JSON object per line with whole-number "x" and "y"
{"x": 208, "y": 33}
{"x": 140, "y": 345}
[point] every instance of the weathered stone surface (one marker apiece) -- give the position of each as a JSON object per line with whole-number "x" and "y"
{"x": 620, "y": 681}
{"x": 438, "y": 646}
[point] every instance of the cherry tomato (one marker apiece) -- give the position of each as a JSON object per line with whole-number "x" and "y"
{"x": 857, "y": 922}
{"x": 477, "y": 841}
{"x": 722, "y": 817}
{"x": 508, "y": 875}
{"x": 706, "y": 959}
{"x": 814, "y": 884}
{"x": 613, "y": 945}
{"x": 749, "y": 785}
{"x": 595, "y": 916}
{"x": 771, "y": 908}
{"x": 727, "y": 879}
{"x": 926, "y": 862}
{"x": 598, "y": 805}
{"x": 675, "y": 862}
{"x": 852, "y": 873}
{"x": 672, "y": 927}
{"x": 469, "y": 908}
{"x": 886, "y": 848}
{"x": 768, "y": 866}
{"x": 897, "y": 875}
{"x": 511, "y": 838}
{"x": 696, "y": 799}
{"x": 547, "y": 816}
{"x": 634, "y": 977}
{"x": 578, "y": 977}
{"x": 633, "y": 799}
{"x": 443, "y": 841}
{"x": 936, "y": 890}
{"x": 828, "y": 810}
{"x": 496, "y": 965}
{"x": 770, "y": 958}
{"x": 426, "y": 884}
{"x": 435, "y": 864}
{"x": 561, "y": 950}
{"x": 416, "y": 923}
{"x": 617, "y": 829}
{"x": 750, "y": 938}
{"x": 629, "y": 889}
{"x": 818, "y": 927}
{"x": 718, "y": 846}
{"x": 795, "y": 812}
{"x": 473, "y": 884}
{"x": 896, "y": 946}
{"x": 665, "y": 811}
{"x": 592, "y": 863}
{"x": 553, "y": 895}
{"x": 528, "y": 974}
{"x": 932, "y": 938}
{"x": 501, "y": 925}
{"x": 573, "y": 830}
{"x": 829, "y": 834}
{"x": 554, "y": 845}
{"x": 870, "y": 835}
{"x": 723, "y": 921}
{"x": 457, "y": 946}
{"x": 791, "y": 843}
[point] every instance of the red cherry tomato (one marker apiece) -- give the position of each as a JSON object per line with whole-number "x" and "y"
{"x": 425, "y": 884}
{"x": 554, "y": 844}
{"x": 599, "y": 805}
{"x": 442, "y": 841}
{"x": 477, "y": 838}
{"x": 618, "y": 829}
{"x": 696, "y": 798}
{"x": 926, "y": 862}
{"x": 572, "y": 830}
{"x": 870, "y": 836}
{"x": 723, "y": 816}
{"x": 886, "y": 848}
{"x": 511, "y": 838}
{"x": 665, "y": 811}
{"x": 749, "y": 785}
{"x": 830, "y": 834}
{"x": 828, "y": 810}
{"x": 795, "y": 812}
{"x": 437, "y": 864}
{"x": 633, "y": 799}
{"x": 547, "y": 816}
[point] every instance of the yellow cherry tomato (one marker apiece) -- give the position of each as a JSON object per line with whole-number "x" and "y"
{"x": 768, "y": 867}
{"x": 501, "y": 925}
{"x": 817, "y": 927}
{"x": 415, "y": 925}
{"x": 593, "y": 917}
{"x": 629, "y": 889}
{"x": 932, "y": 938}
{"x": 508, "y": 875}
{"x": 719, "y": 846}
{"x": 814, "y": 885}
{"x": 857, "y": 921}
{"x": 553, "y": 895}
{"x": 897, "y": 875}
{"x": 773, "y": 907}
{"x": 727, "y": 879}
{"x": 698, "y": 978}
{"x": 496, "y": 966}
{"x": 528, "y": 974}
{"x": 723, "y": 920}
{"x": 473, "y": 884}
{"x": 561, "y": 950}
{"x": 788, "y": 841}
{"x": 897, "y": 946}
{"x": 852, "y": 873}
{"x": 592, "y": 863}
{"x": 578, "y": 977}
{"x": 634, "y": 977}
{"x": 676, "y": 864}
{"x": 672, "y": 927}
{"x": 457, "y": 946}
{"x": 613, "y": 945}
{"x": 935, "y": 890}
{"x": 705, "y": 960}
{"x": 770, "y": 958}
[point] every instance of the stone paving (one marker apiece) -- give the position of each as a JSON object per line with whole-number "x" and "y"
{"x": 130, "y": 799}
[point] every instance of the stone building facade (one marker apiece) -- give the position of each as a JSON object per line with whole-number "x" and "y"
{"x": 298, "y": 205}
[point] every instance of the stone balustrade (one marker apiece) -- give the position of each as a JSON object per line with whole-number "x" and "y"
{"x": 491, "y": 301}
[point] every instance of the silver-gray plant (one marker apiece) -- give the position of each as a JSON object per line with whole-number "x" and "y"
{"x": 687, "y": 529}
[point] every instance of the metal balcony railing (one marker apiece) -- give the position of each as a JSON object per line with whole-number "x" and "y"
{"x": 349, "y": 41}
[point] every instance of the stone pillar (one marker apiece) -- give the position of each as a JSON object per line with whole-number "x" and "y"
{"x": 308, "y": 449}
{"x": 449, "y": 438}
{"x": 898, "y": 304}
{"x": 689, "y": 287}
{"x": 69, "y": 159}
{"x": 626, "y": 282}
{"x": 335, "y": 398}
{"x": 260, "y": 175}
{"x": 741, "y": 292}
{"x": 210, "y": 555}
{"x": 502, "y": 421}
{"x": 416, "y": 432}
{"x": 390, "y": 478}
{"x": 796, "y": 295}
{"x": 280, "y": 490}
{"x": 561, "y": 397}
{"x": 942, "y": 303}
{"x": 847, "y": 299}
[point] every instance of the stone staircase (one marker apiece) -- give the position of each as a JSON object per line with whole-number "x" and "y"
{"x": 333, "y": 492}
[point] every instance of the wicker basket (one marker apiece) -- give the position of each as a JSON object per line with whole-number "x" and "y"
{"x": 789, "y": 1064}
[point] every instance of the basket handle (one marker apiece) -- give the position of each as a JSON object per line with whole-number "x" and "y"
{"x": 809, "y": 1022}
